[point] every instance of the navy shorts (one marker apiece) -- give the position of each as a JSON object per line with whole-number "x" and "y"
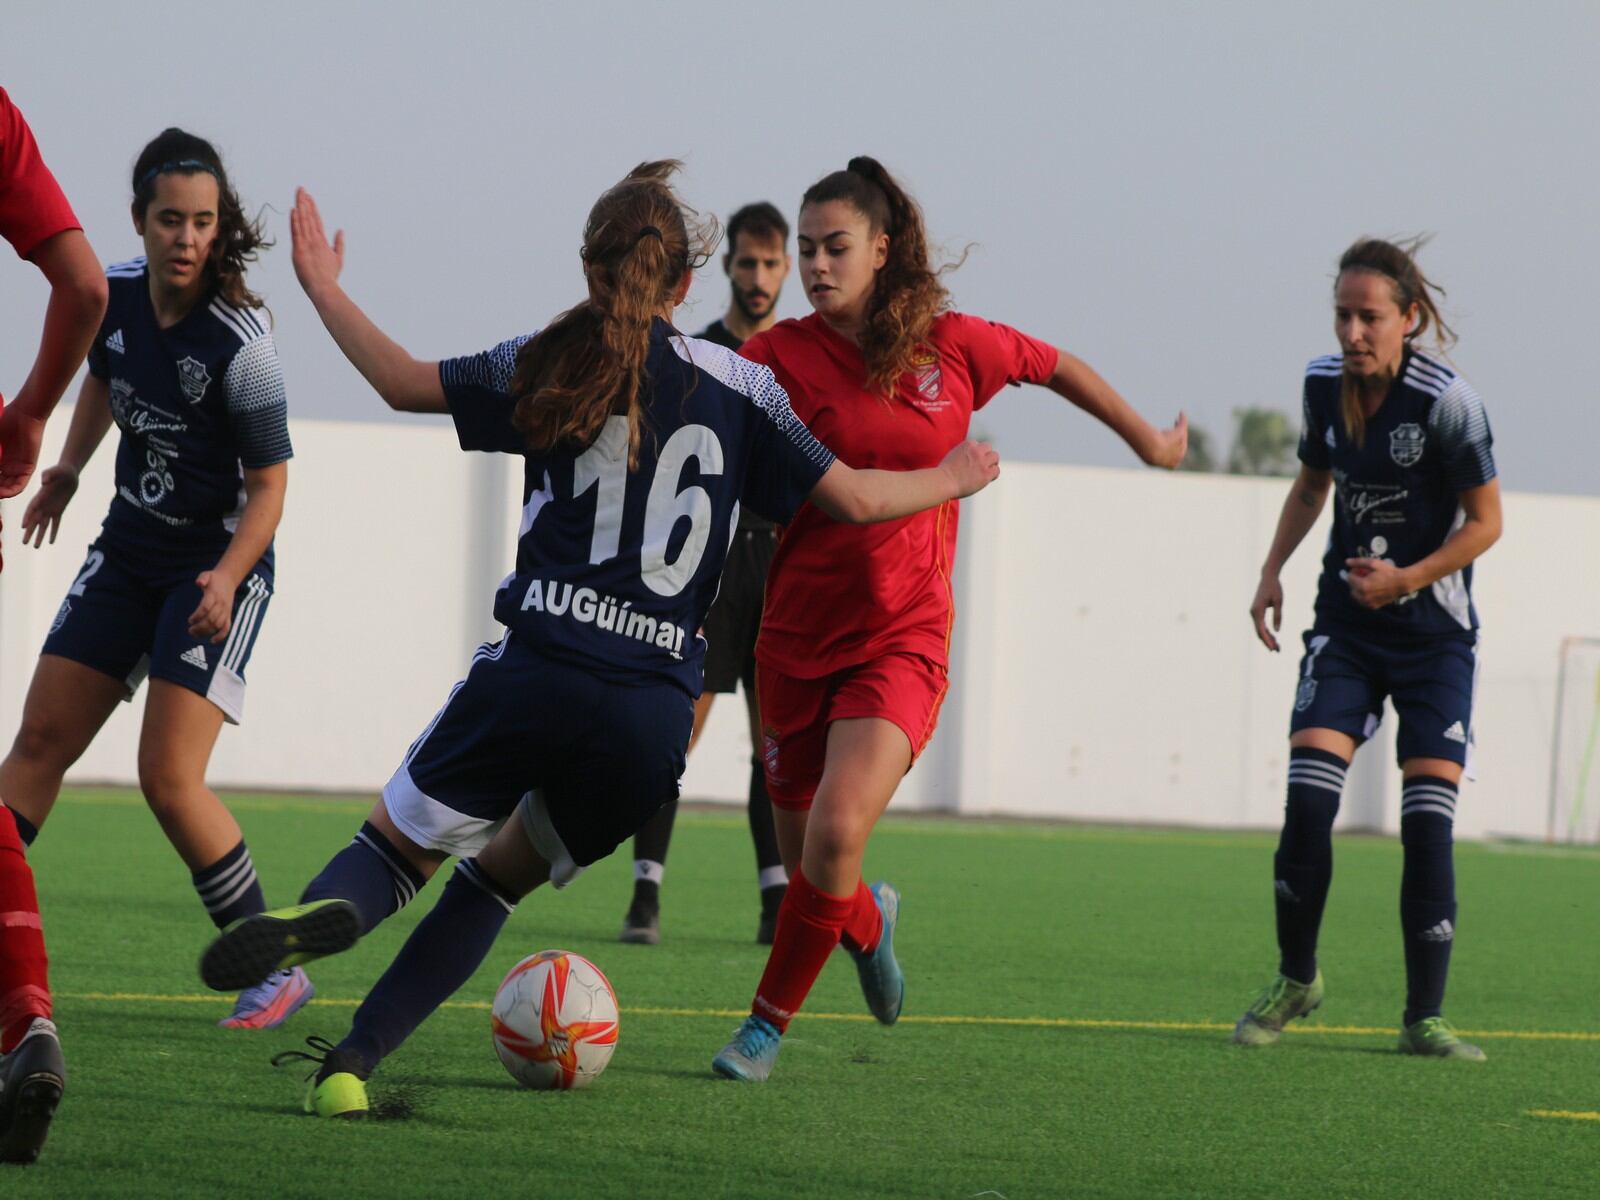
{"x": 1344, "y": 679}
{"x": 587, "y": 759}
{"x": 129, "y": 619}
{"x": 735, "y": 619}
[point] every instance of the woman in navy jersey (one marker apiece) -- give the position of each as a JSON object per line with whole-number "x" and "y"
{"x": 640, "y": 447}
{"x": 177, "y": 583}
{"x": 1404, "y": 442}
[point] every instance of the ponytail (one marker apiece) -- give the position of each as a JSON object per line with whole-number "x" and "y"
{"x": 589, "y": 363}
{"x": 1397, "y": 262}
{"x": 907, "y": 294}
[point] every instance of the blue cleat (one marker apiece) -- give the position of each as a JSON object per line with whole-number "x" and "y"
{"x": 882, "y": 981}
{"x": 752, "y": 1052}
{"x": 271, "y": 1003}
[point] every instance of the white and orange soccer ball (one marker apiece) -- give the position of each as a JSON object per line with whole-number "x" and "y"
{"x": 555, "y": 1021}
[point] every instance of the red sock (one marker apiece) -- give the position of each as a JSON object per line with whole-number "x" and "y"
{"x": 864, "y": 926}
{"x": 24, "y": 977}
{"x": 809, "y": 924}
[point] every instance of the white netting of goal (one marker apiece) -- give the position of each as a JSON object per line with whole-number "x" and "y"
{"x": 1575, "y": 753}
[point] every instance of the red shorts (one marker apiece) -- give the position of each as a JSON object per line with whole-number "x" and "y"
{"x": 905, "y": 689}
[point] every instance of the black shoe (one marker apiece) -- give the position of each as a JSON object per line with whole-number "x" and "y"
{"x": 641, "y": 927}
{"x": 251, "y": 949}
{"x": 32, "y": 1078}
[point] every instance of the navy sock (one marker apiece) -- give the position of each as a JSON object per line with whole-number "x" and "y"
{"x": 762, "y": 831}
{"x": 26, "y": 829}
{"x": 441, "y": 954}
{"x": 229, "y": 888}
{"x": 1302, "y": 869}
{"x": 1427, "y": 891}
{"x": 650, "y": 856}
{"x": 370, "y": 873}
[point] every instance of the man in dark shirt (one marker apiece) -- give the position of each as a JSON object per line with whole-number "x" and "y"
{"x": 757, "y": 263}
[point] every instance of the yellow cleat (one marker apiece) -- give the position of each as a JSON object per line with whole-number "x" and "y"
{"x": 341, "y": 1094}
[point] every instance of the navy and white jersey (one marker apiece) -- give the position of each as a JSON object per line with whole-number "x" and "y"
{"x": 1396, "y": 495}
{"x": 196, "y": 403}
{"x": 616, "y": 568}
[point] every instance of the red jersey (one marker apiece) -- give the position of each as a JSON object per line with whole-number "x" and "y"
{"x": 32, "y": 207}
{"x": 840, "y": 594}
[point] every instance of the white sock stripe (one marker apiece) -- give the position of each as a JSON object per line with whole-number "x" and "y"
{"x": 649, "y": 870}
{"x": 1408, "y": 809}
{"x": 1325, "y": 785}
{"x": 1319, "y": 778}
{"x": 770, "y": 877}
{"x": 481, "y": 881}
{"x": 1431, "y": 789}
{"x": 226, "y": 879}
{"x": 1323, "y": 769}
{"x": 402, "y": 880}
{"x": 232, "y": 897}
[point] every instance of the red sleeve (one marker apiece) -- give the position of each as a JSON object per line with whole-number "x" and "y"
{"x": 757, "y": 349}
{"x": 32, "y": 207}
{"x": 998, "y": 354}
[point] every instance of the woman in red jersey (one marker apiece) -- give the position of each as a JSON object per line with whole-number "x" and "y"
{"x": 853, "y": 656}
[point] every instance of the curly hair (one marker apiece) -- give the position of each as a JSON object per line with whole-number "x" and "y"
{"x": 239, "y": 239}
{"x": 907, "y": 294}
{"x": 589, "y": 363}
{"x": 1397, "y": 262}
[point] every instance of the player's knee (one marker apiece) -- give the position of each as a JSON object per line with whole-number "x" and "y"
{"x": 40, "y": 746}
{"x": 835, "y": 837}
{"x": 162, "y": 781}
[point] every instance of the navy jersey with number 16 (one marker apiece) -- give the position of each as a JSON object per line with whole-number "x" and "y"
{"x": 616, "y": 567}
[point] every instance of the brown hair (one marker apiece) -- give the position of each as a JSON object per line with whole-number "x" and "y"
{"x": 589, "y": 363}
{"x": 907, "y": 294}
{"x": 239, "y": 239}
{"x": 1397, "y": 262}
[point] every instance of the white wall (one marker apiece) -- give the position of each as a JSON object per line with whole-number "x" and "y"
{"x": 1104, "y": 666}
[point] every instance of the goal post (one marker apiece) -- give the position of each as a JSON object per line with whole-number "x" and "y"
{"x": 1575, "y": 746}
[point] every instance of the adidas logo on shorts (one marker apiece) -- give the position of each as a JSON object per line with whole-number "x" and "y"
{"x": 114, "y": 342}
{"x": 195, "y": 656}
{"x": 1456, "y": 734}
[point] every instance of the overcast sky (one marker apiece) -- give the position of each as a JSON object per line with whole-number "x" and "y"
{"x": 1162, "y": 188}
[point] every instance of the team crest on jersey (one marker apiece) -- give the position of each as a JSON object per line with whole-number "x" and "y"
{"x": 1305, "y": 694}
{"x": 193, "y": 378}
{"x": 930, "y": 379}
{"x": 1405, "y": 444}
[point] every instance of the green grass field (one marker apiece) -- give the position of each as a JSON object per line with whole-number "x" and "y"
{"x": 1069, "y": 996}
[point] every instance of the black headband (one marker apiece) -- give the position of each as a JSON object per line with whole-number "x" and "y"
{"x": 182, "y": 164}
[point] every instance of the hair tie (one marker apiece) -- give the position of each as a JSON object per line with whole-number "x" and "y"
{"x": 182, "y": 164}
{"x": 648, "y": 231}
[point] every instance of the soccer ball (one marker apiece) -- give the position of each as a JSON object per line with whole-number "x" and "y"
{"x": 555, "y": 1021}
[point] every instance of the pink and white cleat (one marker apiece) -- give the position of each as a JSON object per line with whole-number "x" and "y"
{"x": 270, "y": 1004}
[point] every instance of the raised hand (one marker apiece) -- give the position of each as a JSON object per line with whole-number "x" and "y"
{"x": 57, "y": 486}
{"x": 973, "y": 466}
{"x": 1170, "y": 445}
{"x": 317, "y": 262}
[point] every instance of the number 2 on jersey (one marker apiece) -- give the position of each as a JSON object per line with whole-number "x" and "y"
{"x": 604, "y": 466}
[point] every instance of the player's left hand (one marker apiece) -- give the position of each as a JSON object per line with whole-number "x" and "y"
{"x": 1170, "y": 446}
{"x": 317, "y": 261}
{"x": 1375, "y": 582}
{"x": 213, "y": 617}
{"x": 20, "y": 437}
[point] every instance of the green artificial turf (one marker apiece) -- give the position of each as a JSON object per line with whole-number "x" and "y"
{"x": 1065, "y": 1031}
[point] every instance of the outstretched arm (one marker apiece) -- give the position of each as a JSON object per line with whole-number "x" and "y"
{"x": 863, "y": 497}
{"x": 406, "y": 384}
{"x": 91, "y": 418}
{"x": 77, "y": 302}
{"x": 1079, "y": 383}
